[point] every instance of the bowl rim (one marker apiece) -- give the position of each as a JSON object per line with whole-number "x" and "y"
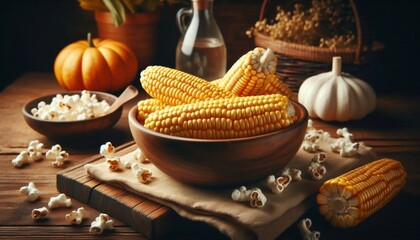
{"x": 132, "y": 119}
{"x": 50, "y": 96}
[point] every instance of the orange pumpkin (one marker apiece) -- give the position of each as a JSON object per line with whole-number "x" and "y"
{"x": 98, "y": 65}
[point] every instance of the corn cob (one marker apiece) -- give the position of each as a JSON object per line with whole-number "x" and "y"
{"x": 147, "y": 106}
{"x": 224, "y": 118}
{"x": 250, "y": 74}
{"x": 349, "y": 199}
{"x": 174, "y": 87}
{"x": 216, "y": 82}
{"x": 275, "y": 85}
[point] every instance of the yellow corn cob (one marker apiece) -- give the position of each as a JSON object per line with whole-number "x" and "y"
{"x": 349, "y": 199}
{"x": 275, "y": 85}
{"x": 250, "y": 74}
{"x": 216, "y": 82}
{"x": 174, "y": 87}
{"x": 224, "y": 118}
{"x": 147, "y": 106}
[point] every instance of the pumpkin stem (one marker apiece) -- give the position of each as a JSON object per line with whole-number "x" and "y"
{"x": 336, "y": 66}
{"x": 89, "y": 40}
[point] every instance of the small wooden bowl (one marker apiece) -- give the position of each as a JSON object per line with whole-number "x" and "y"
{"x": 64, "y": 129}
{"x": 223, "y": 162}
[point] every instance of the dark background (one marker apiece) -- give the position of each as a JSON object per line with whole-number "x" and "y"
{"x": 33, "y": 32}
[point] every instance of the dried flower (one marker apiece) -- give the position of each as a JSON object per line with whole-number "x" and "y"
{"x": 325, "y": 23}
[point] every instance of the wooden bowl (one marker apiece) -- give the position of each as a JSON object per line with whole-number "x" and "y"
{"x": 64, "y": 129}
{"x": 223, "y": 162}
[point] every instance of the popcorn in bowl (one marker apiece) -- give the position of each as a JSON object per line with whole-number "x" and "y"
{"x": 71, "y": 107}
{"x": 80, "y": 113}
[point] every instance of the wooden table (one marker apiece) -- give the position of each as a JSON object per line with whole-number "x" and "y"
{"x": 392, "y": 130}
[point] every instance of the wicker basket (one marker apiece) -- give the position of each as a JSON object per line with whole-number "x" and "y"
{"x": 297, "y": 62}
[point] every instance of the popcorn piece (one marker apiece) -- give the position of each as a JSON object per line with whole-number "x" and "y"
{"x": 296, "y": 174}
{"x": 344, "y": 132}
{"x": 310, "y": 146}
{"x": 30, "y": 191}
{"x": 114, "y": 163}
{"x": 304, "y": 228}
{"x": 59, "y": 201}
{"x": 142, "y": 174}
{"x": 318, "y": 132}
{"x": 76, "y": 216}
{"x": 316, "y": 170}
{"x": 35, "y": 150}
{"x": 101, "y": 223}
{"x": 277, "y": 185}
{"x": 310, "y": 126}
{"x": 39, "y": 213}
{"x": 255, "y": 197}
{"x": 139, "y": 156}
{"x": 126, "y": 163}
{"x": 345, "y": 147}
{"x": 319, "y": 157}
{"x": 349, "y": 150}
{"x": 338, "y": 145}
{"x": 107, "y": 150}
{"x": 56, "y": 155}
{"x": 21, "y": 159}
{"x": 310, "y": 142}
{"x": 241, "y": 194}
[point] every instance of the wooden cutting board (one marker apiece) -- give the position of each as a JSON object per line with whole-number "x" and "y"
{"x": 149, "y": 218}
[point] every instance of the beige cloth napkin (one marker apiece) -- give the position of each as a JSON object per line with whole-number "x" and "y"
{"x": 215, "y": 207}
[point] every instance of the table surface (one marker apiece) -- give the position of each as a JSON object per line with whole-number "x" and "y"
{"x": 392, "y": 130}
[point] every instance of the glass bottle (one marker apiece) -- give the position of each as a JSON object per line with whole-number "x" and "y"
{"x": 201, "y": 50}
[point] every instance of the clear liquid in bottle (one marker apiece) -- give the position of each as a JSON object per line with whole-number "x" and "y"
{"x": 205, "y": 59}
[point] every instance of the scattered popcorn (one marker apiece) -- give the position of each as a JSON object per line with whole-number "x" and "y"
{"x": 277, "y": 185}
{"x": 319, "y": 157}
{"x": 21, "y": 159}
{"x": 310, "y": 126}
{"x": 304, "y": 228}
{"x": 59, "y": 201}
{"x": 76, "y": 216}
{"x": 30, "y": 191}
{"x": 316, "y": 170}
{"x": 349, "y": 150}
{"x": 56, "y": 155}
{"x": 296, "y": 174}
{"x": 310, "y": 143}
{"x": 71, "y": 107}
{"x": 313, "y": 131}
{"x": 255, "y": 197}
{"x": 107, "y": 150}
{"x": 344, "y": 145}
{"x": 126, "y": 163}
{"x": 139, "y": 156}
{"x": 337, "y": 145}
{"x": 39, "y": 213}
{"x": 35, "y": 150}
{"x": 241, "y": 194}
{"x": 101, "y": 223}
{"x": 113, "y": 163}
{"x": 344, "y": 132}
{"x": 142, "y": 174}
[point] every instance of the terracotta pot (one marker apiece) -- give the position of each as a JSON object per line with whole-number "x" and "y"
{"x": 139, "y": 32}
